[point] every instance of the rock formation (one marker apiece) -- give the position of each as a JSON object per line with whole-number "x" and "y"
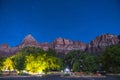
{"x": 62, "y": 45}
{"x": 97, "y": 45}
{"x": 29, "y": 41}
{"x": 5, "y": 50}
{"x": 66, "y": 45}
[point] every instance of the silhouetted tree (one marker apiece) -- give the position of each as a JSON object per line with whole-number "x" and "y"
{"x": 51, "y": 52}
{"x": 2, "y": 59}
{"x": 111, "y": 59}
{"x": 19, "y": 61}
{"x": 86, "y": 61}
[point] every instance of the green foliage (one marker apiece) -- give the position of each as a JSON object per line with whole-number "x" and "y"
{"x": 111, "y": 59}
{"x": 38, "y": 60}
{"x": 32, "y": 64}
{"x": 0, "y": 73}
{"x": 51, "y": 52}
{"x": 28, "y": 50}
{"x": 76, "y": 66}
{"x": 41, "y": 63}
{"x": 19, "y": 61}
{"x": 8, "y": 64}
{"x": 2, "y": 59}
{"x": 71, "y": 57}
{"x": 78, "y": 61}
{"x": 88, "y": 62}
{"x": 32, "y": 60}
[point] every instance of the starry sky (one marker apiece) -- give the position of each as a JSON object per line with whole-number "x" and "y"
{"x": 47, "y": 20}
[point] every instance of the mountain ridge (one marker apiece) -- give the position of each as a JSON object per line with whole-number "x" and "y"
{"x": 63, "y": 45}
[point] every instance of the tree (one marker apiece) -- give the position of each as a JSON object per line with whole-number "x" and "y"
{"x": 2, "y": 59}
{"x": 111, "y": 59}
{"x": 28, "y": 50}
{"x": 8, "y": 64}
{"x": 88, "y": 62}
{"x": 51, "y": 52}
{"x": 119, "y": 36}
{"x": 19, "y": 61}
{"x": 33, "y": 64}
{"x": 76, "y": 66}
{"x": 70, "y": 58}
{"x": 78, "y": 61}
{"x": 41, "y": 63}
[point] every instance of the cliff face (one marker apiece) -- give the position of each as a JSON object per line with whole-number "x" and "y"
{"x": 98, "y": 44}
{"x": 63, "y": 45}
{"x": 66, "y": 45}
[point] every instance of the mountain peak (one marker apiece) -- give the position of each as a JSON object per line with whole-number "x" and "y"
{"x": 29, "y": 40}
{"x": 29, "y": 37}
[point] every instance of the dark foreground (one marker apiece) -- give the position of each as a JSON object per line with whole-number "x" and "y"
{"x": 57, "y": 77}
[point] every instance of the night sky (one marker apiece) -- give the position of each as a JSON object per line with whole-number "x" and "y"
{"x": 47, "y": 20}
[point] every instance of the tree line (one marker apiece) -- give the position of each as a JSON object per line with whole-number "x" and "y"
{"x": 36, "y": 60}
{"x": 32, "y": 60}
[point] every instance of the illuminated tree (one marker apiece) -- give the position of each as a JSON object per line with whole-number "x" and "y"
{"x": 41, "y": 63}
{"x": 35, "y": 62}
{"x": 8, "y": 64}
{"x": 32, "y": 64}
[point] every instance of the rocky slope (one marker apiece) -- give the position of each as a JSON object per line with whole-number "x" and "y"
{"x": 63, "y": 45}
{"x": 97, "y": 45}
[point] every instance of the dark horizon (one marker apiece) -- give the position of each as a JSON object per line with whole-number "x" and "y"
{"x": 47, "y": 20}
